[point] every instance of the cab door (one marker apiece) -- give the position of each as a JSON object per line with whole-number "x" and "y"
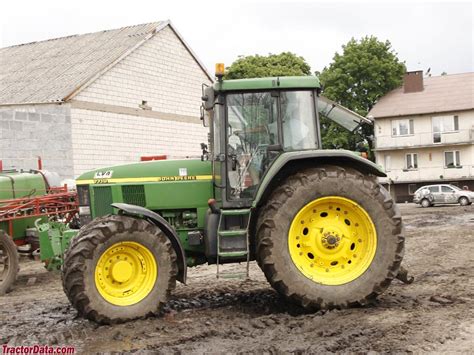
{"x": 252, "y": 131}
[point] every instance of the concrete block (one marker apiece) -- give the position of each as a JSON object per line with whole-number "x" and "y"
{"x": 7, "y": 115}
{"x": 21, "y": 116}
{"x": 16, "y": 126}
{"x": 46, "y": 117}
{"x": 33, "y": 116}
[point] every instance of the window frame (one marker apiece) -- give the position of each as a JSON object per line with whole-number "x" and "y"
{"x": 455, "y": 120}
{"x": 411, "y": 127}
{"x": 389, "y": 167}
{"x": 456, "y": 159}
{"x": 412, "y": 155}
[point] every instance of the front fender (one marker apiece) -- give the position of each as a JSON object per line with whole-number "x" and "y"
{"x": 317, "y": 158}
{"x": 156, "y": 219}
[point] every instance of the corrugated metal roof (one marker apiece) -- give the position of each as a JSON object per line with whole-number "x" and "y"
{"x": 444, "y": 93}
{"x": 50, "y": 71}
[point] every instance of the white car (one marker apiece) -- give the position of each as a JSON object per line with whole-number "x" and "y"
{"x": 430, "y": 195}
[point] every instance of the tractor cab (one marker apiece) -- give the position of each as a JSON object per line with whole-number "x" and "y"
{"x": 253, "y": 121}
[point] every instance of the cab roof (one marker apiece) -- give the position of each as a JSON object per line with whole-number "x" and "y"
{"x": 283, "y": 82}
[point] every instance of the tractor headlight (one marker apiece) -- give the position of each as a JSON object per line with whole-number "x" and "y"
{"x": 83, "y": 197}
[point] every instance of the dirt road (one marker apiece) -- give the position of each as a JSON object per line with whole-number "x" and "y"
{"x": 434, "y": 314}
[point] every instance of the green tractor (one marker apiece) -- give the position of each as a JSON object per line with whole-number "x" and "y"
{"x": 323, "y": 230}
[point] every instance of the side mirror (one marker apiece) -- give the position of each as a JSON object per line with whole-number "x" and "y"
{"x": 204, "y": 117}
{"x": 207, "y": 97}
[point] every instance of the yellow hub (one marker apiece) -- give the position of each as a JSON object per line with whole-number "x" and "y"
{"x": 126, "y": 273}
{"x": 332, "y": 240}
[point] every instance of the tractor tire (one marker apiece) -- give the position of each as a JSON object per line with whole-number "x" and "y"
{"x": 119, "y": 268}
{"x": 9, "y": 263}
{"x": 313, "y": 226}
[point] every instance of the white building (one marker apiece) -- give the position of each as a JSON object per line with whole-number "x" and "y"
{"x": 425, "y": 133}
{"x": 86, "y": 101}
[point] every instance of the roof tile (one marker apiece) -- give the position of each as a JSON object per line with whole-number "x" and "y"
{"x": 49, "y": 71}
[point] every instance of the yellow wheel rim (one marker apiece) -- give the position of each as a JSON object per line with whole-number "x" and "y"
{"x": 332, "y": 240}
{"x": 125, "y": 273}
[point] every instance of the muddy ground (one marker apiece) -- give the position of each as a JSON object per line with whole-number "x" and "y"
{"x": 434, "y": 314}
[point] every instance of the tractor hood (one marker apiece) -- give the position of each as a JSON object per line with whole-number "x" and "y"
{"x": 152, "y": 171}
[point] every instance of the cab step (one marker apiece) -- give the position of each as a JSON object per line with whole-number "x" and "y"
{"x": 236, "y": 212}
{"x": 233, "y": 275}
{"x": 233, "y": 239}
{"x": 233, "y": 233}
{"x": 232, "y": 254}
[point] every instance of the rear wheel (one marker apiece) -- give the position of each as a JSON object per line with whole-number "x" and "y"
{"x": 9, "y": 262}
{"x": 464, "y": 201}
{"x": 330, "y": 237}
{"x": 425, "y": 203}
{"x": 119, "y": 268}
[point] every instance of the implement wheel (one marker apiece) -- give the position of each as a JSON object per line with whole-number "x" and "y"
{"x": 9, "y": 262}
{"x": 330, "y": 237}
{"x": 119, "y": 268}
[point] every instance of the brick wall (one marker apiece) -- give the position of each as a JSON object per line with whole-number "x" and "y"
{"x": 161, "y": 72}
{"x": 29, "y": 131}
{"x": 103, "y": 139}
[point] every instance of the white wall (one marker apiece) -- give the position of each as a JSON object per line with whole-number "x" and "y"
{"x": 430, "y": 164}
{"x": 29, "y": 131}
{"x": 423, "y": 131}
{"x": 161, "y": 72}
{"x": 104, "y": 139}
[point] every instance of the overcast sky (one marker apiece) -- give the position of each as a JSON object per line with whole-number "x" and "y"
{"x": 436, "y": 35}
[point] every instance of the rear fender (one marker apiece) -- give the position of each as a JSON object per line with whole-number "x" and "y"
{"x": 289, "y": 161}
{"x": 166, "y": 228}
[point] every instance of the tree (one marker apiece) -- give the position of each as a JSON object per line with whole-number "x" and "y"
{"x": 257, "y": 66}
{"x": 365, "y": 71}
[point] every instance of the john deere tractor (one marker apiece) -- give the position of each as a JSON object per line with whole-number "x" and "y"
{"x": 323, "y": 230}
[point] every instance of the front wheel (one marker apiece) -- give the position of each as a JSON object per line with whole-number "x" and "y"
{"x": 9, "y": 262}
{"x": 119, "y": 268}
{"x": 330, "y": 237}
{"x": 463, "y": 201}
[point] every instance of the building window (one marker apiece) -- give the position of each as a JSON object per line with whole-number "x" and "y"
{"x": 452, "y": 159}
{"x": 411, "y": 189}
{"x": 387, "y": 162}
{"x": 444, "y": 124}
{"x": 402, "y": 127}
{"x": 411, "y": 160}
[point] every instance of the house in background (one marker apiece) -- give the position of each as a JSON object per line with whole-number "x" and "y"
{"x": 424, "y": 133}
{"x": 88, "y": 101}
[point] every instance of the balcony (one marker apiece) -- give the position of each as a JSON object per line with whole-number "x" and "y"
{"x": 430, "y": 174}
{"x": 424, "y": 139}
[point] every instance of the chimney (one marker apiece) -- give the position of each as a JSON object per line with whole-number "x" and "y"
{"x": 413, "y": 81}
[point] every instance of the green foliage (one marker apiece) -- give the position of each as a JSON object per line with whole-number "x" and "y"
{"x": 257, "y": 66}
{"x": 365, "y": 71}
